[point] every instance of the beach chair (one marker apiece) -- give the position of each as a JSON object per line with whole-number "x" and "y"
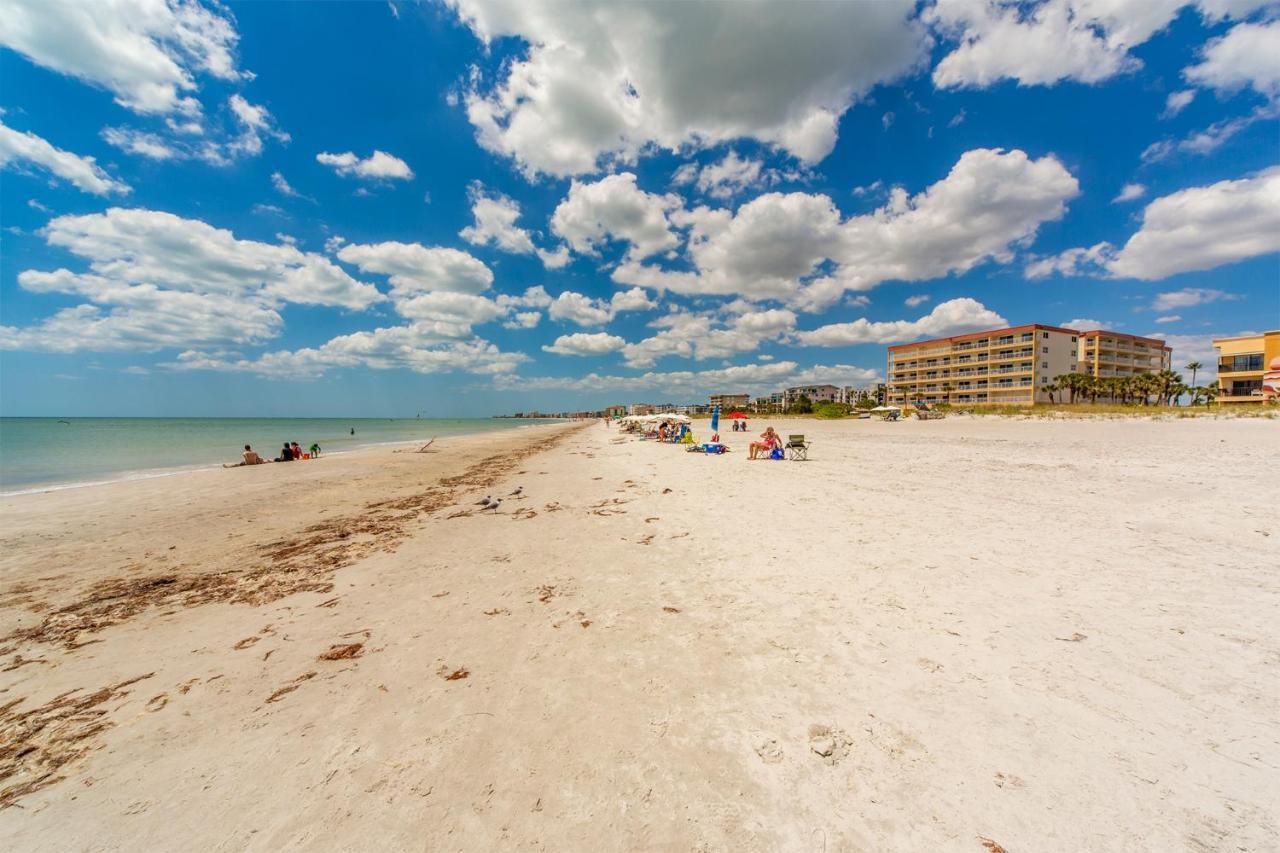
{"x": 797, "y": 448}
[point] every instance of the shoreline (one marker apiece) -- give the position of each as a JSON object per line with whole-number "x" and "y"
{"x": 132, "y": 475}
{"x": 904, "y": 643}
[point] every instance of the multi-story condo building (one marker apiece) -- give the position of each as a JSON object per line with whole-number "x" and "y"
{"x": 1009, "y": 366}
{"x": 730, "y": 401}
{"x": 640, "y": 409}
{"x": 816, "y": 393}
{"x": 1103, "y": 353}
{"x": 1248, "y": 368}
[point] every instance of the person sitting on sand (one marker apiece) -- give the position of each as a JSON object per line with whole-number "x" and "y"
{"x": 768, "y": 441}
{"x": 251, "y": 457}
{"x": 286, "y": 453}
{"x": 297, "y": 450}
{"x": 315, "y": 450}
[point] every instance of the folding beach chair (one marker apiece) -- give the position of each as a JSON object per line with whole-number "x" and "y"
{"x": 797, "y": 448}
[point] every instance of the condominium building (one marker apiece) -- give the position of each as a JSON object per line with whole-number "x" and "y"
{"x": 1103, "y": 353}
{"x": 1004, "y": 366}
{"x": 730, "y": 401}
{"x": 816, "y": 393}
{"x": 1248, "y": 368}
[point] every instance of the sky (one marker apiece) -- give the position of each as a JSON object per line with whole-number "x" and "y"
{"x": 472, "y": 207}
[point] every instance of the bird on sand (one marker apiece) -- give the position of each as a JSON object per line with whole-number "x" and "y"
{"x": 493, "y": 506}
{"x": 485, "y": 502}
{"x": 517, "y": 492}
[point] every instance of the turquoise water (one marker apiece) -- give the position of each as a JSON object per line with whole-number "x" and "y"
{"x": 42, "y": 452}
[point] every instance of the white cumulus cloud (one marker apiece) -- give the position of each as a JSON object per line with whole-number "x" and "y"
{"x": 953, "y": 317}
{"x": 1247, "y": 56}
{"x": 495, "y": 224}
{"x": 157, "y": 281}
{"x": 603, "y": 80}
{"x": 614, "y": 209}
{"x": 147, "y": 53}
{"x": 378, "y": 166}
{"x": 25, "y": 150}
{"x": 583, "y": 343}
{"x": 413, "y": 268}
{"x": 1046, "y": 41}
{"x": 1193, "y": 229}
{"x": 776, "y": 246}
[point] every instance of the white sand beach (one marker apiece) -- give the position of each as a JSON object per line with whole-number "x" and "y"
{"x": 947, "y": 635}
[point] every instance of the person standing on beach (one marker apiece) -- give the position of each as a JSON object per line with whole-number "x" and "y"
{"x": 315, "y": 450}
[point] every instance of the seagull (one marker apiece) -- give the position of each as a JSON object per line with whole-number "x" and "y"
{"x": 493, "y": 506}
{"x": 485, "y": 503}
{"x": 517, "y": 492}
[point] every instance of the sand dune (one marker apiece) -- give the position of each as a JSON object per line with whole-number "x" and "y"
{"x": 1042, "y": 635}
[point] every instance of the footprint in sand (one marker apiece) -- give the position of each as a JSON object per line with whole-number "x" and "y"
{"x": 769, "y": 750}
{"x": 158, "y": 702}
{"x": 830, "y": 744}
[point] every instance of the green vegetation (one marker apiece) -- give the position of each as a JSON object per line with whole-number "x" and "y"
{"x": 831, "y": 411}
{"x": 1114, "y": 410}
{"x": 1143, "y": 389}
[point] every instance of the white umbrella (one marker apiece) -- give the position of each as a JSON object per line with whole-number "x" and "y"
{"x": 887, "y": 409}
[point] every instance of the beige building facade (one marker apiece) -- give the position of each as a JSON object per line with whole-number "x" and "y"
{"x": 1012, "y": 366}
{"x": 1106, "y": 354}
{"x": 1248, "y": 368}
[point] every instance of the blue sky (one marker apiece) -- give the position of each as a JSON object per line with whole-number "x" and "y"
{"x": 474, "y": 207}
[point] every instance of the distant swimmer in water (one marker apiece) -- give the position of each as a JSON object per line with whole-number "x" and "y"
{"x": 353, "y": 430}
{"x": 251, "y": 457}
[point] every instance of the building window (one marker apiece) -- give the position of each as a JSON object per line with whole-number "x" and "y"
{"x": 1045, "y": 335}
{"x": 1073, "y": 339}
{"x": 1045, "y": 365}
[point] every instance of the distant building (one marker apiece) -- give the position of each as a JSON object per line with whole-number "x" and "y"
{"x": 730, "y": 401}
{"x": 640, "y": 409}
{"x": 1248, "y": 368}
{"x": 815, "y": 393}
{"x": 616, "y": 411}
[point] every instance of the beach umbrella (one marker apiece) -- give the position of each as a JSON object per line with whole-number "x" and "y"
{"x": 738, "y": 416}
{"x": 715, "y": 419}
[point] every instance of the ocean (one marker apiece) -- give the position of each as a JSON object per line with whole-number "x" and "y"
{"x": 37, "y": 454}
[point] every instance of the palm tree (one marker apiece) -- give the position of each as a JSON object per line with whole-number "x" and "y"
{"x": 1193, "y": 367}
{"x": 1050, "y": 389}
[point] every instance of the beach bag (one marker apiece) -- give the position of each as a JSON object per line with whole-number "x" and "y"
{"x": 776, "y": 453}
